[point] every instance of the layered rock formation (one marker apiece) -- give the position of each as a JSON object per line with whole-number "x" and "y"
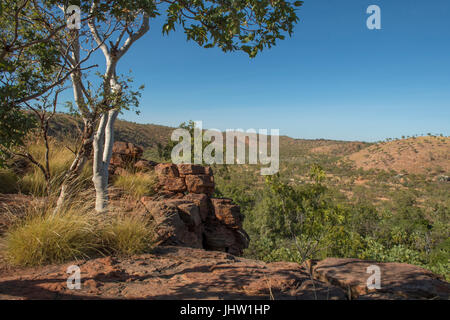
{"x": 187, "y": 215}
{"x": 186, "y": 273}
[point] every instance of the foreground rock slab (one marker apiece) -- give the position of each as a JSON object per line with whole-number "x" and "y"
{"x": 397, "y": 280}
{"x": 187, "y": 273}
{"x": 170, "y": 273}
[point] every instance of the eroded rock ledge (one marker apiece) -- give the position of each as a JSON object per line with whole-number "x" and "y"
{"x": 186, "y": 273}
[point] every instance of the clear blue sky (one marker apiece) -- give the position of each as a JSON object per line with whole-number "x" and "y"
{"x": 333, "y": 79}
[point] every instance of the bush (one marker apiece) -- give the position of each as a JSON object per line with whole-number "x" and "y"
{"x": 127, "y": 235}
{"x": 374, "y": 250}
{"x": 290, "y": 221}
{"x": 136, "y": 185}
{"x": 299, "y": 218}
{"x": 33, "y": 183}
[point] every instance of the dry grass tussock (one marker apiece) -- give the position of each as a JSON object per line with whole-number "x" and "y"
{"x": 40, "y": 236}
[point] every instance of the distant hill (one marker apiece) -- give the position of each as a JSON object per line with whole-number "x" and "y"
{"x": 420, "y": 155}
{"x": 149, "y": 135}
{"x": 145, "y": 135}
{"x": 427, "y": 154}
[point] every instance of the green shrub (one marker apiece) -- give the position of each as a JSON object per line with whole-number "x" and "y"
{"x": 33, "y": 182}
{"x": 289, "y": 219}
{"x": 299, "y": 218}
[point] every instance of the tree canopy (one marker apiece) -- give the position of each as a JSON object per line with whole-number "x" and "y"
{"x": 247, "y": 25}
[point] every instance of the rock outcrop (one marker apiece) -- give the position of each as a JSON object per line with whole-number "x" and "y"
{"x": 187, "y": 215}
{"x": 128, "y": 156}
{"x": 186, "y": 273}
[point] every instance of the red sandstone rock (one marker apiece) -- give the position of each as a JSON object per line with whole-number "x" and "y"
{"x": 169, "y": 273}
{"x": 116, "y": 160}
{"x": 201, "y": 200}
{"x": 200, "y": 184}
{"x": 172, "y": 184}
{"x": 401, "y": 279}
{"x": 209, "y": 171}
{"x": 144, "y": 165}
{"x": 190, "y": 214}
{"x": 127, "y": 149}
{"x": 193, "y": 169}
{"x": 170, "y": 227}
{"x": 164, "y": 194}
{"x": 227, "y": 212}
{"x": 119, "y": 171}
{"x": 186, "y": 273}
{"x": 398, "y": 280}
{"x": 167, "y": 170}
{"x": 124, "y": 156}
{"x": 217, "y": 221}
{"x": 220, "y": 237}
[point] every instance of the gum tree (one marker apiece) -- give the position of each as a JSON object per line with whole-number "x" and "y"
{"x": 231, "y": 25}
{"x": 131, "y": 23}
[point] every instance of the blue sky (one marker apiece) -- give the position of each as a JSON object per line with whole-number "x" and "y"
{"x": 333, "y": 79}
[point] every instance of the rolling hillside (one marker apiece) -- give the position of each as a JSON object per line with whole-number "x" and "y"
{"x": 149, "y": 135}
{"x": 424, "y": 155}
{"x": 421, "y": 155}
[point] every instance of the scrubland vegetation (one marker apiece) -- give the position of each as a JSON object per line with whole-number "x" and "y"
{"x": 289, "y": 222}
{"x": 319, "y": 205}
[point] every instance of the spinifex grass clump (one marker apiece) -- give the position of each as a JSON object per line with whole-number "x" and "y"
{"x": 75, "y": 232}
{"x": 136, "y": 185}
{"x": 51, "y": 238}
{"x": 127, "y": 235}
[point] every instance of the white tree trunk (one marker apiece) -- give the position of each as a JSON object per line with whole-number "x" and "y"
{"x": 104, "y": 138}
{"x": 103, "y": 144}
